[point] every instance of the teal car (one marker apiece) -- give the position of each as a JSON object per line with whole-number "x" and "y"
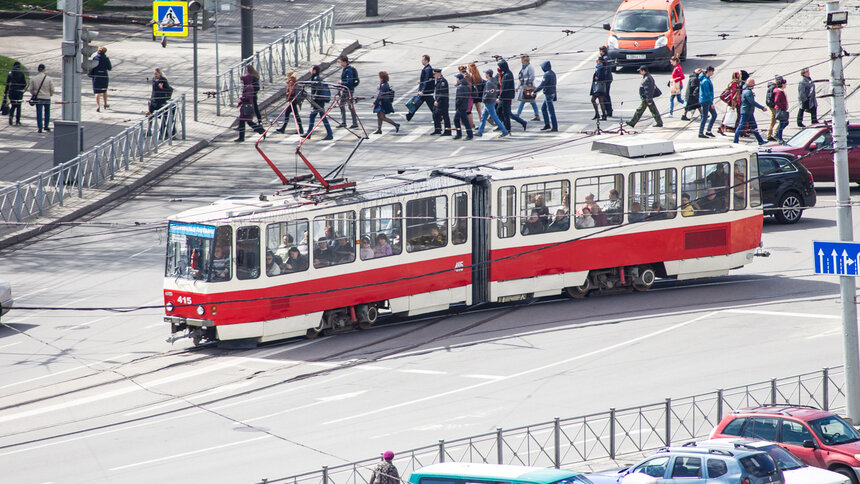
{"x": 467, "y": 473}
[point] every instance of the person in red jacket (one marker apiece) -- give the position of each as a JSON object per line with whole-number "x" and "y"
{"x": 780, "y": 104}
{"x": 676, "y": 85}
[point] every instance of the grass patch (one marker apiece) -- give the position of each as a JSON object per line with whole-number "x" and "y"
{"x": 49, "y": 4}
{"x": 6, "y": 66}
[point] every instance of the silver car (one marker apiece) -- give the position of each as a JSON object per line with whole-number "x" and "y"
{"x": 6, "y": 300}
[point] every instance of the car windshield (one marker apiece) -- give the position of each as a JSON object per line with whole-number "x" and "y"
{"x": 785, "y": 460}
{"x": 833, "y": 430}
{"x": 802, "y": 138}
{"x": 641, "y": 21}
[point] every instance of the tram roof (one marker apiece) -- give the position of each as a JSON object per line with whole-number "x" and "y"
{"x": 554, "y": 161}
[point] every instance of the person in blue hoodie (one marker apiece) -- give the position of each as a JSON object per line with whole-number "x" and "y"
{"x": 547, "y": 85}
{"x": 426, "y": 88}
{"x": 748, "y": 105}
{"x": 706, "y": 101}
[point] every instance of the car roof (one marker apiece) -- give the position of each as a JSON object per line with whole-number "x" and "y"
{"x": 692, "y": 450}
{"x": 495, "y": 471}
{"x": 645, "y": 5}
{"x": 731, "y": 443}
{"x": 802, "y": 412}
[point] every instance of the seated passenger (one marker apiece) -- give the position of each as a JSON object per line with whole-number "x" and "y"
{"x": 635, "y": 214}
{"x": 344, "y": 251}
{"x": 657, "y": 212}
{"x": 303, "y": 245}
{"x": 295, "y": 261}
{"x": 323, "y": 254}
{"x": 585, "y": 220}
{"x": 534, "y": 225}
{"x": 221, "y": 264}
{"x": 460, "y": 231}
{"x": 613, "y": 209}
{"x": 687, "y": 209}
{"x": 560, "y": 223}
{"x": 272, "y": 267}
{"x": 436, "y": 239}
{"x": 542, "y": 210}
{"x": 593, "y": 207}
{"x": 383, "y": 248}
{"x": 286, "y": 243}
{"x": 366, "y": 251}
{"x": 713, "y": 203}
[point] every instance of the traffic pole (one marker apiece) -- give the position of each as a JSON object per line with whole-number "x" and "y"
{"x": 246, "y": 17}
{"x": 844, "y": 220}
{"x": 194, "y": 26}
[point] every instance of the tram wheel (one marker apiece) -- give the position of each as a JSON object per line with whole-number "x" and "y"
{"x": 578, "y": 292}
{"x": 372, "y": 316}
{"x": 197, "y": 339}
{"x": 647, "y": 276}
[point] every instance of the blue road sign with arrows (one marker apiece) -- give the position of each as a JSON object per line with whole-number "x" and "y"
{"x": 836, "y": 258}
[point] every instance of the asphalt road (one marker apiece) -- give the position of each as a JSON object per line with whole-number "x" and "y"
{"x": 100, "y": 397}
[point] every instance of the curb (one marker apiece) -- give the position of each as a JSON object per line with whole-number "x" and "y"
{"x": 478, "y": 13}
{"x": 119, "y": 192}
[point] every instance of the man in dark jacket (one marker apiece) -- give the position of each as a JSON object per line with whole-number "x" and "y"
{"x": 547, "y": 85}
{"x": 461, "y": 105}
{"x": 507, "y": 94}
{"x": 16, "y": 83}
{"x": 426, "y": 86}
{"x": 646, "y": 94}
{"x": 610, "y": 66}
{"x": 748, "y": 105}
{"x": 348, "y": 79}
{"x": 692, "y": 94}
{"x": 440, "y": 103}
{"x": 806, "y": 97}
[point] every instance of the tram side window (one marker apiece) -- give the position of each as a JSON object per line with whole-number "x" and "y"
{"x": 705, "y": 189}
{"x": 541, "y": 203}
{"x": 652, "y": 195}
{"x": 335, "y": 239}
{"x": 599, "y": 201}
{"x": 739, "y": 185}
{"x": 222, "y": 261}
{"x": 460, "y": 223}
{"x": 753, "y": 185}
{"x": 287, "y": 246}
{"x": 507, "y": 213}
{"x": 248, "y": 252}
{"x": 426, "y": 223}
{"x": 380, "y": 231}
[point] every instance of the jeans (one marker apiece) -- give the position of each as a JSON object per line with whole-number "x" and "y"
{"x": 748, "y": 117}
{"x": 343, "y": 103}
{"x": 708, "y": 111}
{"x": 548, "y": 111}
{"x": 321, "y": 112}
{"x": 490, "y": 111}
{"x": 672, "y": 102}
{"x": 782, "y": 125}
{"x": 534, "y": 107}
{"x": 43, "y": 106}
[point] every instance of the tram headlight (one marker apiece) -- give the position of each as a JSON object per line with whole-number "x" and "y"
{"x": 201, "y": 310}
{"x": 169, "y": 307}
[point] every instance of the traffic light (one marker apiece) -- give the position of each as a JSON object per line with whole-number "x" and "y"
{"x": 208, "y": 20}
{"x": 87, "y": 50}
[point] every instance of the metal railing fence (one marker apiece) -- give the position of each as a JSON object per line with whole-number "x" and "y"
{"x": 275, "y": 59}
{"x": 29, "y": 198}
{"x": 605, "y": 435}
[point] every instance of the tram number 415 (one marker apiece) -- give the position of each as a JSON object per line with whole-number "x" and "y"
{"x": 184, "y": 300}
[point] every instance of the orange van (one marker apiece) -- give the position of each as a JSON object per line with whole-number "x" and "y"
{"x": 647, "y": 32}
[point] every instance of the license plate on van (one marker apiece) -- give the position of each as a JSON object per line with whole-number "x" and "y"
{"x": 636, "y": 56}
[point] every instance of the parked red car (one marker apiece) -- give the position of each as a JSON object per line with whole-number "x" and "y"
{"x": 817, "y": 437}
{"x": 814, "y": 146}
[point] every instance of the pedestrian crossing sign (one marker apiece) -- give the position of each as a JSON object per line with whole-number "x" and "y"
{"x": 170, "y": 19}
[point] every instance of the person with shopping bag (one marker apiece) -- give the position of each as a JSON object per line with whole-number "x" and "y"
{"x": 676, "y": 85}
{"x": 731, "y": 95}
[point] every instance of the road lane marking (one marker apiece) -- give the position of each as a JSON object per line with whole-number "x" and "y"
{"x": 484, "y": 377}
{"x": 55, "y": 373}
{"x": 132, "y": 256}
{"x": 575, "y": 69}
{"x": 780, "y": 313}
{"x": 565, "y": 361}
{"x": 425, "y": 372}
{"x": 414, "y": 134}
{"x": 10, "y": 344}
{"x": 186, "y": 454}
{"x": 454, "y": 153}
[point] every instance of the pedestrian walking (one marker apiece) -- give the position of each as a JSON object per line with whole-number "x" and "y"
{"x": 41, "y": 90}
{"x": 692, "y": 95}
{"x": 507, "y": 95}
{"x": 748, "y": 105}
{"x": 467, "y": 78}
{"x": 731, "y": 95}
{"x": 780, "y": 102}
{"x": 598, "y": 90}
{"x": 706, "y": 101}
{"x": 806, "y": 98}
{"x": 491, "y": 97}
{"x": 676, "y": 85}
{"x": 294, "y": 97}
{"x": 383, "y": 106}
{"x": 463, "y": 94}
{"x": 255, "y": 83}
{"x": 246, "y": 107}
{"x": 477, "y": 84}
{"x": 547, "y": 85}
{"x": 441, "y": 93}
{"x": 161, "y": 92}
{"x": 385, "y": 472}
{"x": 426, "y": 86}
{"x": 526, "y": 92}
{"x": 99, "y": 73}
{"x": 16, "y": 83}
{"x": 348, "y": 79}
{"x": 320, "y": 95}
{"x": 770, "y": 102}
{"x": 647, "y": 91}
{"x": 610, "y": 66}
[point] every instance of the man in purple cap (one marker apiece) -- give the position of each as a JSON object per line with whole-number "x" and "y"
{"x": 385, "y": 472}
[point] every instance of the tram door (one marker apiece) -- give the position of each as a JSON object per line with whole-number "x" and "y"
{"x": 480, "y": 240}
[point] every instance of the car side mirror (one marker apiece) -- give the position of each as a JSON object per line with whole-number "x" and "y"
{"x": 812, "y": 147}
{"x": 809, "y": 444}
{"x": 607, "y": 27}
{"x": 678, "y": 26}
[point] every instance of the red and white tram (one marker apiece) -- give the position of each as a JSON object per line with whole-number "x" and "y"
{"x": 413, "y": 243}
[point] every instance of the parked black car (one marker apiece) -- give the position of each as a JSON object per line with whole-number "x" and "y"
{"x": 786, "y": 186}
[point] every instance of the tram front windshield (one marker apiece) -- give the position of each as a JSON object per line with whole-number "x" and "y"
{"x": 190, "y": 251}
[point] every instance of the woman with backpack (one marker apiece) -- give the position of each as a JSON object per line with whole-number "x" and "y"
{"x": 692, "y": 95}
{"x": 382, "y": 105}
{"x": 246, "y": 108}
{"x": 320, "y": 94}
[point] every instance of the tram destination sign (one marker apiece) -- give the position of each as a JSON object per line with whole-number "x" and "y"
{"x": 836, "y": 258}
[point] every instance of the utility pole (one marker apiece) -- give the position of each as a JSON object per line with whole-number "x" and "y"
{"x": 67, "y": 131}
{"x": 844, "y": 220}
{"x": 247, "y": 20}
{"x": 194, "y": 8}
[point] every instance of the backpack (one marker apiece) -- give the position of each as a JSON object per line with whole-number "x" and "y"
{"x": 322, "y": 94}
{"x": 770, "y": 100}
{"x": 355, "y": 80}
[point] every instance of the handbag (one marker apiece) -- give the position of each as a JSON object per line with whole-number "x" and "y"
{"x": 32, "y": 100}
{"x": 657, "y": 92}
{"x": 726, "y": 96}
{"x": 4, "y": 108}
{"x": 731, "y": 118}
{"x": 782, "y": 116}
{"x": 412, "y": 104}
{"x": 529, "y": 93}
{"x": 246, "y": 111}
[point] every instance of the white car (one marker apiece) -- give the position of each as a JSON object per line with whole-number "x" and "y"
{"x": 6, "y": 300}
{"x": 795, "y": 471}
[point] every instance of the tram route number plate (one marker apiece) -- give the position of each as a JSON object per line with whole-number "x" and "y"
{"x": 836, "y": 258}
